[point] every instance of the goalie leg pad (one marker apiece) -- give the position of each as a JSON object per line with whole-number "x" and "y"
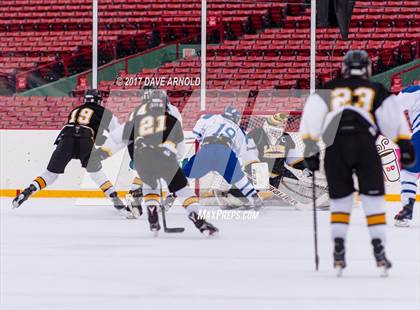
{"x": 260, "y": 176}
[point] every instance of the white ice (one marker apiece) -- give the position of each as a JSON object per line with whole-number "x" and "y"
{"x": 58, "y": 255}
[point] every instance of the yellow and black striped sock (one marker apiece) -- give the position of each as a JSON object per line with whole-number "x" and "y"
{"x": 376, "y": 219}
{"x": 340, "y": 218}
{"x": 40, "y": 183}
{"x": 107, "y": 188}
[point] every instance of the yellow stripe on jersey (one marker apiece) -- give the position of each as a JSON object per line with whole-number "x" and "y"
{"x": 340, "y": 218}
{"x": 137, "y": 181}
{"x": 41, "y": 182}
{"x": 106, "y": 186}
{"x": 309, "y": 137}
{"x": 149, "y": 197}
{"x": 300, "y": 160}
{"x": 189, "y": 201}
{"x": 107, "y": 150}
{"x": 402, "y": 137}
{"x": 376, "y": 219}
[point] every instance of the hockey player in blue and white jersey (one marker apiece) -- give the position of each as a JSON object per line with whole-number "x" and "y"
{"x": 409, "y": 98}
{"x": 221, "y": 143}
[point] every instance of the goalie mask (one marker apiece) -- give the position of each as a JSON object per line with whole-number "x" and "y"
{"x": 357, "y": 63}
{"x": 93, "y": 96}
{"x": 232, "y": 113}
{"x": 274, "y": 126}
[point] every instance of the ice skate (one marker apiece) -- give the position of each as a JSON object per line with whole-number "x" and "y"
{"x": 134, "y": 199}
{"x": 23, "y": 196}
{"x": 404, "y": 217}
{"x": 169, "y": 201}
{"x": 120, "y": 206}
{"x": 339, "y": 256}
{"x": 203, "y": 226}
{"x": 256, "y": 201}
{"x": 153, "y": 218}
{"x": 381, "y": 261}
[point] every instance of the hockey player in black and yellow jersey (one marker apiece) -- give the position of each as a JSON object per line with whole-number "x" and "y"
{"x": 154, "y": 134}
{"x": 85, "y": 125}
{"x": 349, "y": 115}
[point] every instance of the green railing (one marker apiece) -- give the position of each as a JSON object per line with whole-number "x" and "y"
{"x": 408, "y": 77}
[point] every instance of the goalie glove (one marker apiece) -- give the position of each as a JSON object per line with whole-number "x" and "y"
{"x": 311, "y": 155}
{"x": 408, "y": 155}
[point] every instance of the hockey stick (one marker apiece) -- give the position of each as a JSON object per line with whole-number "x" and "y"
{"x": 315, "y": 222}
{"x": 162, "y": 208}
{"x": 279, "y": 194}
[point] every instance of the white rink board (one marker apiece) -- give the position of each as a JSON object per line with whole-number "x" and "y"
{"x": 25, "y": 155}
{"x": 58, "y": 256}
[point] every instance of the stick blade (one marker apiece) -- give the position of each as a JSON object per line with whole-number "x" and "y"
{"x": 174, "y": 230}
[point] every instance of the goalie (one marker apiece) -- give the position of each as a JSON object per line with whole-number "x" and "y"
{"x": 286, "y": 171}
{"x": 277, "y": 148}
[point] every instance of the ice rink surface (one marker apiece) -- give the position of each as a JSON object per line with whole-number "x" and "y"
{"x": 58, "y": 255}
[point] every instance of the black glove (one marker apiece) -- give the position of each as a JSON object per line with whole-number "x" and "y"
{"x": 311, "y": 155}
{"x": 168, "y": 153}
{"x": 408, "y": 155}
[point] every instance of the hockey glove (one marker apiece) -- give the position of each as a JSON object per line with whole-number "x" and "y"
{"x": 311, "y": 154}
{"x": 408, "y": 155}
{"x": 168, "y": 153}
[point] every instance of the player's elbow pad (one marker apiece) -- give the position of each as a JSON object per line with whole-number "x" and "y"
{"x": 407, "y": 152}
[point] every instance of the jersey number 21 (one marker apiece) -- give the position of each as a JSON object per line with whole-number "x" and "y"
{"x": 150, "y": 125}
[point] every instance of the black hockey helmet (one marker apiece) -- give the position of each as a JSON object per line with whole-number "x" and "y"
{"x": 232, "y": 113}
{"x": 357, "y": 63}
{"x": 158, "y": 102}
{"x": 147, "y": 91}
{"x": 93, "y": 96}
